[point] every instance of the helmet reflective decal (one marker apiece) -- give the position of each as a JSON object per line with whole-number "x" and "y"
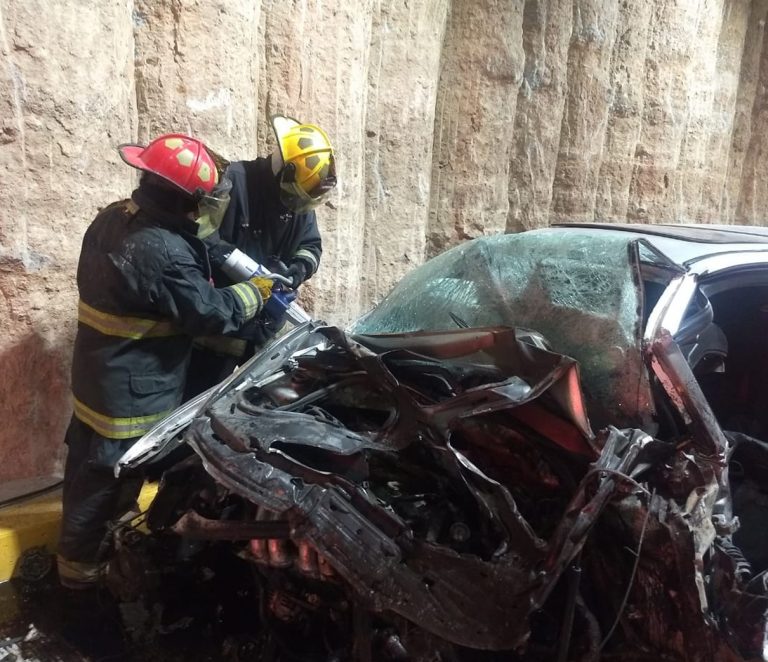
{"x": 204, "y": 172}
{"x": 185, "y": 157}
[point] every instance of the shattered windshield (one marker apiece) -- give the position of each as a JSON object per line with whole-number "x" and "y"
{"x": 576, "y": 287}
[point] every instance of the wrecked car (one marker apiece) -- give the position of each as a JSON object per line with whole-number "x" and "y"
{"x": 540, "y": 446}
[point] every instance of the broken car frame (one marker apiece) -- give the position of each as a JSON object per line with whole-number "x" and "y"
{"x": 445, "y": 489}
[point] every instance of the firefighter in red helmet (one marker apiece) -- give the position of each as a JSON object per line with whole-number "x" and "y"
{"x": 145, "y": 291}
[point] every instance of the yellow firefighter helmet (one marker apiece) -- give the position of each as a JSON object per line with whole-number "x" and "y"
{"x": 308, "y": 170}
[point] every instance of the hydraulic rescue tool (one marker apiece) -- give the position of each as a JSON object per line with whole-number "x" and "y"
{"x": 239, "y": 267}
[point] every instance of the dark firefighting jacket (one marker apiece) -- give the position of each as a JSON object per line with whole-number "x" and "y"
{"x": 260, "y": 226}
{"x": 145, "y": 291}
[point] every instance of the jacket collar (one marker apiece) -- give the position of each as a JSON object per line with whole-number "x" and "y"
{"x": 160, "y": 215}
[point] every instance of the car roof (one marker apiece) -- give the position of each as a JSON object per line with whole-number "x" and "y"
{"x": 687, "y": 243}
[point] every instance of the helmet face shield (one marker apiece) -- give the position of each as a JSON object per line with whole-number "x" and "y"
{"x": 296, "y": 198}
{"x": 211, "y": 208}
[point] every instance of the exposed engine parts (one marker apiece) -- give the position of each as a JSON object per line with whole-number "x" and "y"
{"x": 443, "y": 497}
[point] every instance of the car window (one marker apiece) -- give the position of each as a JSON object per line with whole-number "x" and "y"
{"x": 731, "y": 360}
{"x": 579, "y": 289}
{"x": 650, "y": 255}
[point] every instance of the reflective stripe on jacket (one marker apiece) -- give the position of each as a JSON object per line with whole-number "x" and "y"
{"x": 145, "y": 291}
{"x": 122, "y": 327}
{"x": 116, "y": 427}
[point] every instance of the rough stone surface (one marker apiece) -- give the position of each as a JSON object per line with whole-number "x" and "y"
{"x": 452, "y": 119}
{"x": 746, "y": 99}
{"x": 197, "y": 65}
{"x": 481, "y": 72}
{"x": 316, "y": 57}
{"x": 585, "y": 115}
{"x": 540, "y": 103}
{"x": 66, "y": 99}
{"x": 398, "y": 138}
{"x": 753, "y": 196}
{"x": 625, "y": 110}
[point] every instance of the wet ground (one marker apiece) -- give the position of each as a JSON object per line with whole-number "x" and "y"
{"x": 40, "y": 622}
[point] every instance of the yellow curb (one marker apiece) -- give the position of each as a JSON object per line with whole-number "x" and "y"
{"x": 35, "y": 523}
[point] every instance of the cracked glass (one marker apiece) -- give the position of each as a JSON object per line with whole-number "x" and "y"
{"x": 576, "y": 287}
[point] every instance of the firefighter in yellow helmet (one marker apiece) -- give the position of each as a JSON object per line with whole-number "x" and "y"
{"x": 304, "y": 164}
{"x": 272, "y": 218}
{"x": 271, "y": 215}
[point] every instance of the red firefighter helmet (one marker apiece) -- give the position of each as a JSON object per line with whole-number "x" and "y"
{"x": 181, "y": 160}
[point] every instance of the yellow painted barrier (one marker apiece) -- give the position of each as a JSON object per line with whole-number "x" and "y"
{"x": 35, "y": 522}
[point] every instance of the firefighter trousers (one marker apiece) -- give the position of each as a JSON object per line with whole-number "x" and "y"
{"x": 92, "y": 499}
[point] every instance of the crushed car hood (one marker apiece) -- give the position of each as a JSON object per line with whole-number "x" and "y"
{"x": 449, "y": 477}
{"x": 360, "y": 442}
{"x": 453, "y": 479}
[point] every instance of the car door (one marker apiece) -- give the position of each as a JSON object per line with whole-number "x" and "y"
{"x": 682, "y": 314}
{"x": 684, "y": 330}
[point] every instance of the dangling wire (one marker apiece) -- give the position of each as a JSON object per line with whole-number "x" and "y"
{"x": 631, "y": 581}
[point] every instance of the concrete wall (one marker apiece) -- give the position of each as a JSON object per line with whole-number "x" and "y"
{"x": 452, "y": 118}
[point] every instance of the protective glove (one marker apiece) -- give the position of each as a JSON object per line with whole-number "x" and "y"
{"x": 264, "y": 286}
{"x": 260, "y": 331}
{"x": 297, "y": 272}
